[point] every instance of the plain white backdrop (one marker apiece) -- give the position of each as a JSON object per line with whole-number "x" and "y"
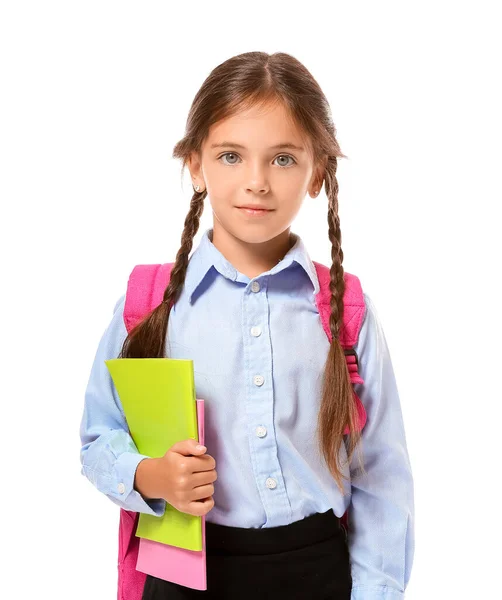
{"x": 94, "y": 95}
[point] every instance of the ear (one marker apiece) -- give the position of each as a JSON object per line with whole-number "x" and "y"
{"x": 195, "y": 168}
{"x": 317, "y": 179}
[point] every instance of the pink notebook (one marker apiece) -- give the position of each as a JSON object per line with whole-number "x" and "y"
{"x": 179, "y": 565}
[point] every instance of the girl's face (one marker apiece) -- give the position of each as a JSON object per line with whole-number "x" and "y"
{"x": 245, "y": 160}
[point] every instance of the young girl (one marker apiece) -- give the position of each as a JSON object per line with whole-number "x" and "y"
{"x": 280, "y": 468}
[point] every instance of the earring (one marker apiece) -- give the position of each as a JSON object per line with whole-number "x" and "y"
{"x": 197, "y": 188}
{"x": 316, "y": 192}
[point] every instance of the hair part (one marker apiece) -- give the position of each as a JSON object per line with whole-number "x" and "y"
{"x": 259, "y": 79}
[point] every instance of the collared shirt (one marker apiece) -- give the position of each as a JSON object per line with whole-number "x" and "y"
{"x": 259, "y": 349}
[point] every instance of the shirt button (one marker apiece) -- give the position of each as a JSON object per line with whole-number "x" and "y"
{"x": 271, "y": 483}
{"x": 255, "y": 286}
{"x": 121, "y": 488}
{"x": 258, "y": 379}
{"x": 256, "y": 331}
{"x": 261, "y": 431}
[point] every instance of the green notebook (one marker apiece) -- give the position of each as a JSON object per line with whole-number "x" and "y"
{"x": 158, "y": 398}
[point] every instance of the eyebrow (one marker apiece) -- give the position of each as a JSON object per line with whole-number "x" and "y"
{"x": 288, "y": 145}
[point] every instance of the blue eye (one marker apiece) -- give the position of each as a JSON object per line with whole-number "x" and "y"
{"x": 227, "y": 154}
{"x": 286, "y": 156}
{"x": 228, "y": 164}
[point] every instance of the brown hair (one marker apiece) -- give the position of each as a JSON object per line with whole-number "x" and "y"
{"x": 249, "y": 79}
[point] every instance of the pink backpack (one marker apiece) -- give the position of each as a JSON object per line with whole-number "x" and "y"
{"x": 145, "y": 291}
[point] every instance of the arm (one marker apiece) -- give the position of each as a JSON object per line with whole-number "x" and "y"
{"x": 108, "y": 455}
{"x": 381, "y": 513}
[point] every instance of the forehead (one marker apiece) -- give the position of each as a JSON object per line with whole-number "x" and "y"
{"x": 258, "y": 127}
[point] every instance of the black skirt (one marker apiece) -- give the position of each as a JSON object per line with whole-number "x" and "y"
{"x": 308, "y": 559}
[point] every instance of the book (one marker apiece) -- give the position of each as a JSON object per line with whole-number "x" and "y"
{"x": 159, "y": 403}
{"x": 181, "y": 566}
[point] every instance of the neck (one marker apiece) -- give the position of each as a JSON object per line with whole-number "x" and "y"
{"x": 252, "y": 259}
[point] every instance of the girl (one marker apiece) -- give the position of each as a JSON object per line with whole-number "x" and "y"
{"x": 259, "y": 137}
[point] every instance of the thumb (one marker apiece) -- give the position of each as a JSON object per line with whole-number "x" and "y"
{"x": 188, "y": 447}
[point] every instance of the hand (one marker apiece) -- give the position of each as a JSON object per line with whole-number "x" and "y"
{"x": 183, "y": 477}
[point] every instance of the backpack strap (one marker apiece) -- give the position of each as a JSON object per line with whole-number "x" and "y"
{"x": 145, "y": 291}
{"x": 353, "y": 314}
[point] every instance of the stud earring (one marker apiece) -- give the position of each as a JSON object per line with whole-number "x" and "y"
{"x": 316, "y": 192}
{"x": 197, "y": 188}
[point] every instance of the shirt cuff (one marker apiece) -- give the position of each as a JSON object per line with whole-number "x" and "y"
{"x": 125, "y": 470}
{"x": 375, "y": 592}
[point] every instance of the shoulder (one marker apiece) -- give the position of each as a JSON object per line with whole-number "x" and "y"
{"x": 114, "y": 333}
{"x": 370, "y": 311}
{"x": 371, "y": 328}
{"x": 119, "y": 304}
{"x": 116, "y": 327}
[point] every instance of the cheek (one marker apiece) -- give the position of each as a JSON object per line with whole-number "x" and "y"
{"x": 220, "y": 179}
{"x": 223, "y": 189}
{"x": 301, "y": 178}
{"x": 292, "y": 189}
{"x": 221, "y": 192}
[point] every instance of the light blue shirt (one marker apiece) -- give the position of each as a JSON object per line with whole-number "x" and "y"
{"x": 259, "y": 349}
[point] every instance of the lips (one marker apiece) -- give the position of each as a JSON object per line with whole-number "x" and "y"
{"x": 255, "y": 212}
{"x": 255, "y": 207}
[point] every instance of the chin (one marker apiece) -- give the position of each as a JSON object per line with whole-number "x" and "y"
{"x": 256, "y": 233}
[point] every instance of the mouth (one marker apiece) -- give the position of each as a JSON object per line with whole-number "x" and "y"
{"x": 254, "y": 211}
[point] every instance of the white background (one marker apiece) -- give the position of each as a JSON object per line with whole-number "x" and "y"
{"x": 94, "y": 95}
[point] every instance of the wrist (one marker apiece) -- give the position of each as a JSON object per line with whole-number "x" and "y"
{"x": 145, "y": 479}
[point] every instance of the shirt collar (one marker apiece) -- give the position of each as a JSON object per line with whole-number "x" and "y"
{"x": 206, "y": 256}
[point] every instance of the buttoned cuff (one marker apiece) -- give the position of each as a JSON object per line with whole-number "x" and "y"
{"x": 124, "y": 471}
{"x": 375, "y": 592}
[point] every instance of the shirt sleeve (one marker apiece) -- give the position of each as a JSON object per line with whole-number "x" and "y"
{"x": 381, "y": 512}
{"x": 108, "y": 455}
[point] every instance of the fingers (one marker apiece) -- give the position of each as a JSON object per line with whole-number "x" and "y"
{"x": 200, "y": 507}
{"x": 202, "y": 492}
{"x": 204, "y": 478}
{"x": 198, "y": 464}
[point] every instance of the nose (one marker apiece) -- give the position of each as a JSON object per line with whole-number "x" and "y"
{"x": 257, "y": 182}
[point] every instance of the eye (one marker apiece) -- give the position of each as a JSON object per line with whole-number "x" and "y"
{"x": 227, "y": 154}
{"x": 233, "y": 154}
{"x": 286, "y": 156}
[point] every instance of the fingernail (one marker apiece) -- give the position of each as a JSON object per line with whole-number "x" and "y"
{"x": 199, "y": 447}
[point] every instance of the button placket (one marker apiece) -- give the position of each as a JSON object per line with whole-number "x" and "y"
{"x": 260, "y": 401}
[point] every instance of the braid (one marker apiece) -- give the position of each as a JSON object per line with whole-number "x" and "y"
{"x": 337, "y": 283}
{"x": 338, "y": 408}
{"x": 148, "y": 338}
{"x": 191, "y": 226}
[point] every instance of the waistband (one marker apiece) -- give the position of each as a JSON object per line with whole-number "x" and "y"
{"x": 269, "y": 540}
